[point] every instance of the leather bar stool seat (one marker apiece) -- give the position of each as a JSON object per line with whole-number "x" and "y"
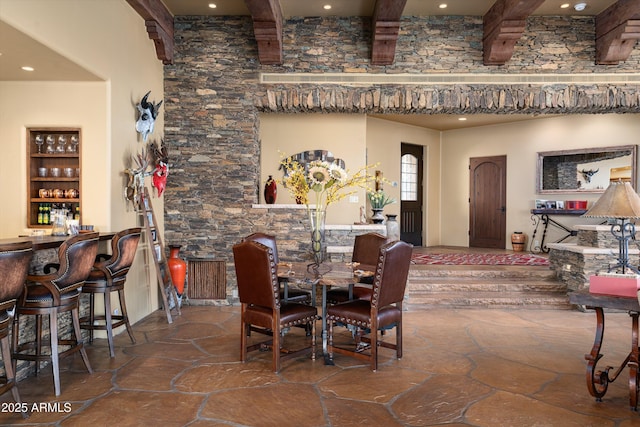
{"x": 53, "y": 294}
{"x": 14, "y": 266}
{"x": 109, "y": 274}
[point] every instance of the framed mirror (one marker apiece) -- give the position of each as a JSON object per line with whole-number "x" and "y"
{"x": 587, "y": 170}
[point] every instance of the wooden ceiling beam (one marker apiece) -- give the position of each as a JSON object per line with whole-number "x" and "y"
{"x": 386, "y": 26}
{"x": 159, "y": 23}
{"x": 617, "y": 31}
{"x": 503, "y": 26}
{"x": 267, "y": 29}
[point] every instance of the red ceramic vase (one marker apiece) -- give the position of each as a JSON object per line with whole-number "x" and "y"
{"x": 270, "y": 191}
{"x": 177, "y": 268}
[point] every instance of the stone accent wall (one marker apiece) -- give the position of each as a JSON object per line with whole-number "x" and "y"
{"x": 575, "y": 268}
{"x": 593, "y": 238}
{"x": 213, "y": 96}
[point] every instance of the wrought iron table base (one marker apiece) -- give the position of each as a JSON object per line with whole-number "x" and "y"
{"x": 598, "y": 380}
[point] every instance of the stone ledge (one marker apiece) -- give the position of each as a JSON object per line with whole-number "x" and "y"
{"x": 571, "y": 247}
{"x": 593, "y": 227}
{"x": 278, "y": 206}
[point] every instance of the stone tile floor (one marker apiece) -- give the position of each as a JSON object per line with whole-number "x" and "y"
{"x": 471, "y": 367}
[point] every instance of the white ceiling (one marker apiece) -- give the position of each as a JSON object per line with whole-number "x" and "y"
{"x": 18, "y": 49}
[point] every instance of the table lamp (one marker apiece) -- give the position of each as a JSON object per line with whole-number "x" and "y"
{"x": 620, "y": 203}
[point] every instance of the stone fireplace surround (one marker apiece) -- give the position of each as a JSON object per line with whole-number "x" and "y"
{"x": 213, "y": 96}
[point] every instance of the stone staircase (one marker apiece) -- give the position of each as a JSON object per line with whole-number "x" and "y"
{"x": 483, "y": 286}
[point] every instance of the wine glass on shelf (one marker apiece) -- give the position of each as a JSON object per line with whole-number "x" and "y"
{"x": 73, "y": 144}
{"x": 50, "y": 140}
{"x": 39, "y": 141}
{"x": 62, "y": 141}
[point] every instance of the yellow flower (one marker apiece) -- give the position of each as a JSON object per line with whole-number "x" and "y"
{"x": 328, "y": 181}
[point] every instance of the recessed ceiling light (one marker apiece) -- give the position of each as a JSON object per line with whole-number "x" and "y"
{"x": 213, "y": 5}
{"x": 579, "y": 6}
{"x": 327, "y": 6}
{"x": 462, "y": 119}
{"x": 27, "y": 68}
{"x": 564, "y": 5}
{"x": 442, "y": 5}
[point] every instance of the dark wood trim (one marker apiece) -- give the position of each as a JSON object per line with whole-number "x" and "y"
{"x": 617, "y": 30}
{"x": 159, "y": 23}
{"x": 504, "y": 24}
{"x": 386, "y": 26}
{"x": 267, "y": 29}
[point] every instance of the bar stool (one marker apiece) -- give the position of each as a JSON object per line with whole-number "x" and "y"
{"x": 108, "y": 275}
{"x": 14, "y": 266}
{"x": 51, "y": 294}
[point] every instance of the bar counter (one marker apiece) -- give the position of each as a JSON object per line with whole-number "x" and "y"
{"x": 48, "y": 241}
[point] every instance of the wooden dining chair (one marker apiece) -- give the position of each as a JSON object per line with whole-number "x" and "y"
{"x": 295, "y": 295}
{"x": 262, "y": 309}
{"x": 14, "y": 266}
{"x": 383, "y": 311}
{"x": 108, "y": 275}
{"x": 52, "y": 294}
{"x": 366, "y": 248}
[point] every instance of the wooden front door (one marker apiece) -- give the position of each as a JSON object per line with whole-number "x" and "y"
{"x": 487, "y": 202}
{"x": 411, "y": 194}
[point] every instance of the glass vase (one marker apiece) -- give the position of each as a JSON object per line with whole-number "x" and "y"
{"x": 318, "y": 246}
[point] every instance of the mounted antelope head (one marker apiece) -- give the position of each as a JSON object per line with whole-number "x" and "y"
{"x": 587, "y": 174}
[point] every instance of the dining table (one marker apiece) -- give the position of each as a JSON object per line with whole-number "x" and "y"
{"x": 325, "y": 276}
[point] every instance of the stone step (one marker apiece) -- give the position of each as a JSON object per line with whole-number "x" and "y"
{"x": 529, "y": 300}
{"x": 452, "y": 284}
{"x": 485, "y": 287}
{"x": 476, "y": 271}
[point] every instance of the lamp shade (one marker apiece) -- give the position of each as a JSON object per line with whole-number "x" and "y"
{"x": 618, "y": 201}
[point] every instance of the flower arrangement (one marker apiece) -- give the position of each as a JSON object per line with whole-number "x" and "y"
{"x": 378, "y": 199}
{"x": 328, "y": 182}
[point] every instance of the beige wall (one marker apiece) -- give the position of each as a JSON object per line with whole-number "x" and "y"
{"x": 447, "y": 154}
{"x": 384, "y": 139}
{"x": 358, "y": 140}
{"x": 109, "y": 39}
{"x": 343, "y": 135}
{"x": 25, "y": 105}
{"x": 520, "y": 142}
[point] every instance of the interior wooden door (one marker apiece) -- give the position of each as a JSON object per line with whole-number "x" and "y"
{"x": 487, "y": 202}
{"x": 411, "y": 194}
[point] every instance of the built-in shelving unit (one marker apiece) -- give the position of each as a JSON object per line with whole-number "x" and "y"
{"x": 53, "y": 173}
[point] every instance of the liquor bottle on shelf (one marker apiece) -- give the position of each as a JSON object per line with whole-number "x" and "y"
{"x": 46, "y": 216}
{"x": 40, "y": 214}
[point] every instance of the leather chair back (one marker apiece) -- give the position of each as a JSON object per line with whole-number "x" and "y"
{"x": 14, "y": 266}
{"x": 76, "y": 255}
{"x": 257, "y": 274}
{"x": 267, "y": 240}
{"x": 391, "y": 274}
{"x": 123, "y": 251}
{"x": 366, "y": 248}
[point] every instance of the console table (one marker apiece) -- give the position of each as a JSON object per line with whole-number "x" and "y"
{"x": 598, "y": 380}
{"x": 544, "y": 216}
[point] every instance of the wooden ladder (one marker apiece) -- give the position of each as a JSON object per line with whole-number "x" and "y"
{"x": 145, "y": 208}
